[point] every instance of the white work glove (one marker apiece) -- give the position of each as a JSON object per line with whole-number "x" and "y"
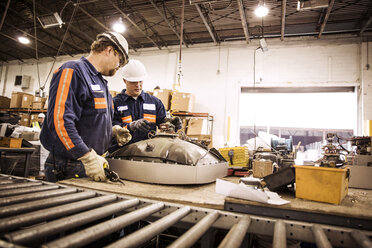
{"x": 141, "y": 125}
{"x": 122, "y": 135}
{"x": 93, "y": 164}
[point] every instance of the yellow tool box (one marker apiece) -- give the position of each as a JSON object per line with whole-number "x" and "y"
{"x": 321, "y": 184}
{"x": 236, "y": 156}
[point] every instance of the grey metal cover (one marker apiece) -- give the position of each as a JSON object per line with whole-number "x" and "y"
{"x": 166, "y": 159}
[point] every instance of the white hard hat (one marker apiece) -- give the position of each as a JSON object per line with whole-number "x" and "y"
{"x": 41, "y": 115}
{"x": 120, "y": 42}
{"x": 134, "y": 71}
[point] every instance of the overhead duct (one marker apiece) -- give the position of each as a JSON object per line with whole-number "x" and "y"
{"x": 311, "y": 4}
{"x": 50, "y": 20}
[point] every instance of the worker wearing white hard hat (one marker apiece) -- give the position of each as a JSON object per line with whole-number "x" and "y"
{"x": 135, "y": 109}
{"x": 78, "y": 124}
{"x": 39, "y": 123}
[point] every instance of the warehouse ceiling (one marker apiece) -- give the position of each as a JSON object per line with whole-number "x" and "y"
{"x": 157, "y": 23}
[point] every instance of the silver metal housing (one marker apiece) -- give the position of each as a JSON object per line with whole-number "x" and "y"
{"x": 166, "y": 159}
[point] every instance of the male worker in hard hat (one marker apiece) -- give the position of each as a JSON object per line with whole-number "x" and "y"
{"x": 135, "y": 109}
{"x": 39, "y": 123}
{"x": 78, "y": 126}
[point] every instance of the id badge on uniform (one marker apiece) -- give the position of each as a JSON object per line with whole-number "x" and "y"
{"x": 149, "y": 106}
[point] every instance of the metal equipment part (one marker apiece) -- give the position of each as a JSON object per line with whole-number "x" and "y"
{"x": 96, "y": 219}
{"x": 166, "y": 159}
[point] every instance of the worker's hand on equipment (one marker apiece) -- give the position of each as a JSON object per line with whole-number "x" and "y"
{"x": 122, "y": 135}
{"x": 93, "y": 164}
{"x": 141, "y": 125}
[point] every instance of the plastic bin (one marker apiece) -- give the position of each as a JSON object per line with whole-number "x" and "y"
{"x": 321, "y": 184}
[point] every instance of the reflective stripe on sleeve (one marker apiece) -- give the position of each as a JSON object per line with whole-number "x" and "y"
{"x": 149, "y": 117}
{"x": 59, "y": 107}
{"x": 100, "y": 103}
{"x": 126, "y": 119}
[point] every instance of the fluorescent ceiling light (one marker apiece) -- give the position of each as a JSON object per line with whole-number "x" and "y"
{"x": 261, "y": 10}
{"x": 23, "y": 40}
{"x": 119, "y": 26}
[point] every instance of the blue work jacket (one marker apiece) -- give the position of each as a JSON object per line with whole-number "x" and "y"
{"x": 127, "y": 110}
{"x": 80, "y": 111}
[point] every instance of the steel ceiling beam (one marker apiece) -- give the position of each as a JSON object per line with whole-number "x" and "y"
{"x": 329, "y": 9}
{"x": 206, "y": 21}
{"x": 32, "y": 36}
{"x": 243, "y": 18}
{"x": 49, "y": 34}
{"x": 135, "y": 25}
{"x": 9, "y": 37}
{"x": 284, "y": 7}
{"x": 12, "y": 56}
{"x": 96, "y": 20}
{"x": 166, "y": 21}
{"x": 5, "y": 12}
{"x": 365, "y": 26}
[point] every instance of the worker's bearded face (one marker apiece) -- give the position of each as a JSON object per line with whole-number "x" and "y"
{"x": 133, "y": 89}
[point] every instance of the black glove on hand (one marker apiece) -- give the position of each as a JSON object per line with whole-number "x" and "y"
{"x": 177, "y": 122}
{"x": 141, "y": 125}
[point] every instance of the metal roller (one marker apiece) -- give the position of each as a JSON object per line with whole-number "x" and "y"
{"x": 192, "y": 235}
{"x": 35, "y": 196}
{"x": 361, "y": 239}
{"x": 100, "y": 230}
{"x": 280, "y": 235}
{"x": 63, "y": 224}
{"x": 144, "y": 234}
{"x": 28, "y": 190}
{"x": 9, "y": 181}
{"x": 12, "y": 223}
{"x": 40, "y": 204}
{"x": 235, "y": 236}
{"x": 19, "y": 185}
{"x": 320, "y": 237}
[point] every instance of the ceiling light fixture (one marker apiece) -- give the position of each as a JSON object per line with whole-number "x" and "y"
{"x": 119, "y": 26}
{"x": 261, "y": 10}
{"x": 23, "y": 40}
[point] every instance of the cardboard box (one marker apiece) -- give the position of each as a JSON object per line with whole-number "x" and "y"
{"x": 25, "y": 120}
{"x": 113, "y": 93}
{"x": 321, "y": 184}
{"x": 197, "y": 127}
{"x": 10, "y": 142}
{"x": 37, "y": 105}
{"x": 165, "y": 97}
{"x": 262, "y": 168}
{"x": 182, "y": 102}
{"x": 27, "y": 100}
{"x": 4, "y": 102}
{"x": 46, "y": 103}
{"x": 33, "y": 117}
{"x": 16, "y": 100}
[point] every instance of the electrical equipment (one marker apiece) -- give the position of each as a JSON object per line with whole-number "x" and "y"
{"x": 50, "y": 20}
{"x": 331, "y": 153}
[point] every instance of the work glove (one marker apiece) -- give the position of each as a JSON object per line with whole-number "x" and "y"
{"x": 93, "y": 164}
{"x": 122, "y": 135}
{"x": 141, "y": 125}
{"x": 176, "y": 121}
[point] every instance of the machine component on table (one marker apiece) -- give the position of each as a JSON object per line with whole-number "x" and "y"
{"x": 166, "y": 159}
{"x": 332, "y": 156}
{"x": 280, "y": 179}
{"x": 363, "y": 144}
